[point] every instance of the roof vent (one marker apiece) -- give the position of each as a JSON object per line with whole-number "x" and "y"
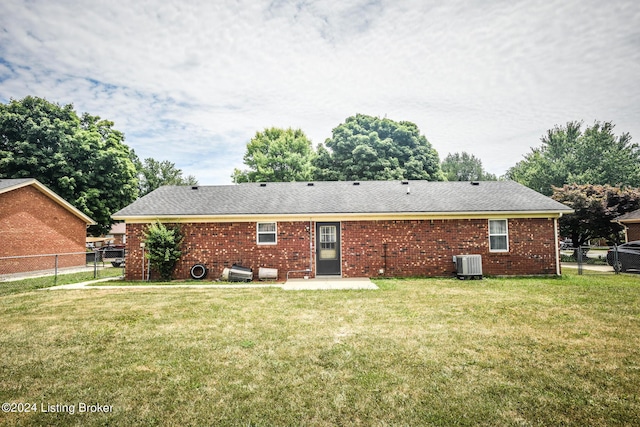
{"x": 475, "y": 183}
{"x": 195, "y": 187}
{"x": 310, "y": 184}
{"x": 263, "y": 184}
{"x": 405, "y": 182}
{"x": 356, "y": 183}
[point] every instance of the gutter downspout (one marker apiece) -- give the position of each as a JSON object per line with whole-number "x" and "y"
{"x": 626, "y": 231}
{"x": 555, "y": 233}
{"x": 311, "y": 247}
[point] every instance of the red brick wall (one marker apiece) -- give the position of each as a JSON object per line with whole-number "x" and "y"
{"x": 31, "y": 223}
{"x": 220, "y": 245}
{"x": 633, "y": 232}
{"x": 417, "y": 248}
{"x": 400, "y": 248}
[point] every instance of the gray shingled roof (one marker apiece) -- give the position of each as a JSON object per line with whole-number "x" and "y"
{"x": 7, "y": 183}
{"x": 371, "y": 197}
{"x": 630, "y": 216}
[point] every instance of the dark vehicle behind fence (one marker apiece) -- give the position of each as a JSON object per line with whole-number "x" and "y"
{"x": 114, "y": 254}
{"x": 627, "y": 257}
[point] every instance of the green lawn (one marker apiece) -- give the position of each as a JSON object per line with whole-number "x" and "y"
{"x": 24, "y": 285}
{"x": 417, "y": 352}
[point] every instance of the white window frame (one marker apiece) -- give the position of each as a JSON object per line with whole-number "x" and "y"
{"x": 505, "y": 235}
{"x": 265, "y": 233}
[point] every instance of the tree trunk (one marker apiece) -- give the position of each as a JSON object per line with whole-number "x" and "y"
{"x": 578, "y": 243}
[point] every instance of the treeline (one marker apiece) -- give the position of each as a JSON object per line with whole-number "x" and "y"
{"x": 80, "y": 157}
{"x": 85, "y": 160}
{"x": 362, "y": 148}
{"x": 590, "y": 170}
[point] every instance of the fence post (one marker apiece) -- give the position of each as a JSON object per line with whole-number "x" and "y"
{"x": 55, "y": 272}
{"x": 95, "y": 263}
{"x": 579, "y": 260}
{"x": 616, "y": 267}
{"x": 142, "y": 245}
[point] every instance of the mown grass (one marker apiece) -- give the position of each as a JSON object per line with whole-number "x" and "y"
{"x": 30, "y": 284}
{"x": 182, "y": 283}
{"x": 417, "y": 352}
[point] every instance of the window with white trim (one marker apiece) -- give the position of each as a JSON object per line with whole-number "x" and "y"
{"x": 498, "y": 235}
{"x": 267, "y": 232}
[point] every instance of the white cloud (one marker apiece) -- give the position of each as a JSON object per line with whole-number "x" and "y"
{"x": 191, "y": 82}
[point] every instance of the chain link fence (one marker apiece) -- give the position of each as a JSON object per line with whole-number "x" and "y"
{"x": 591, "y": 260}
{"x": 44, "y": 265}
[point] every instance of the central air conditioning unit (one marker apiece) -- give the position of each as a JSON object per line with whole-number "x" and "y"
{"x": 468, "y": 266}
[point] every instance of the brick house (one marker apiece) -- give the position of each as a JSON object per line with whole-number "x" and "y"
{"x": 36, "y": 221}
{"x": 117, "y": 234}
{"x": 631, "y": 223}
{"x": 353, "y": 229}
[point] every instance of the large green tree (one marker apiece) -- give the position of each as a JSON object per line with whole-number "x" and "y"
{"x": 465, "y": 167}
{"x": 373, "y": 148}
{"x": 277, "y": 155}
{"x": 569, "y": 155}
{"x": 153, "y": 174}
{"x": 595, "y": 208}
{"x": 81, "y": 158}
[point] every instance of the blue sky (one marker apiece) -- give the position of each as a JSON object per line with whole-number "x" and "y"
{"x": 192, "y": 81}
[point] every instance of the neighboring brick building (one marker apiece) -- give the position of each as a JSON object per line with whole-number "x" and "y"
{"x": 36, "y": 221}
{"x": 117, "y": 234}
{"x": 631, "y": 223}
{"x": 353, "y": 229}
